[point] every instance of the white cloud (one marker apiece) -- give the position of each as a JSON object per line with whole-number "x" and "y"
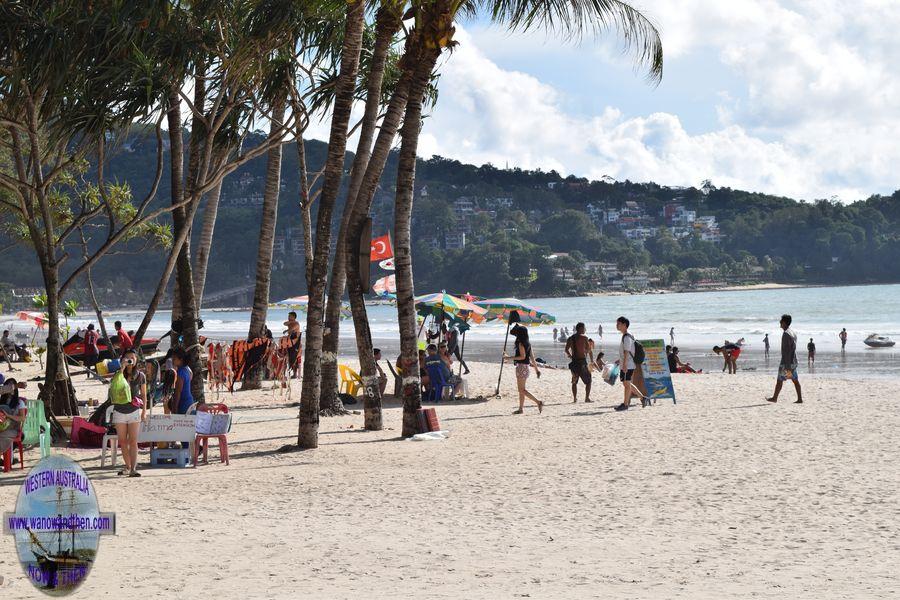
{"x": 816, "y": 117}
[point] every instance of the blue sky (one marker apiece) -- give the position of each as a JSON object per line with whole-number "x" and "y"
{"x": 782, "y": 96}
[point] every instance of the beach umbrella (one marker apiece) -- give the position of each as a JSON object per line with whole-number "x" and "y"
{"x": 500, "y": 308}
{"x": 39, "y": 319}
{"x": 450, "y": 306}
{"x": 302, "y": 302}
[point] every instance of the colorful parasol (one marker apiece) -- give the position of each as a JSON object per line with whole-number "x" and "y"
{"x": 500, "y": 308}
{"x": 301, "y": 303}
{"x": 449, "y": 306}
{"x": 39, "y": 319}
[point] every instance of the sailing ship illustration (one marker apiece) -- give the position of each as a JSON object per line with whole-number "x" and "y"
{"x": 65, "y": 568}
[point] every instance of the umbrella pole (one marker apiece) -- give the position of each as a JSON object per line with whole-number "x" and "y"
{"x": 462, "y": 353}
{"x": 503, "y": 360}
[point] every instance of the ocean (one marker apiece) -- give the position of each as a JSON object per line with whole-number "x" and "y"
{"x": 701, "y": 320}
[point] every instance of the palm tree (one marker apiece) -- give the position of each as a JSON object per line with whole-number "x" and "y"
{"x": 345, "y": 85}
{"x": 387, "y": 24}
{"x": 432, "y": 32}
{"x": 266, "y": 242}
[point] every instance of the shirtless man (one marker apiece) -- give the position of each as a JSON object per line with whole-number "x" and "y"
{"x": 580, "y": 351}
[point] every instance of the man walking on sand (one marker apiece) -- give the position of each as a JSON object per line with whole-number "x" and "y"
{"x": 579, "y": 350}
{"x": 811, "y": 350}
{"x": 628, "y": 365}
{"x": 787, "y": 368}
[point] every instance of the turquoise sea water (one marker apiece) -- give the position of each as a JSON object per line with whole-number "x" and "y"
{"x": 701, "y": 320}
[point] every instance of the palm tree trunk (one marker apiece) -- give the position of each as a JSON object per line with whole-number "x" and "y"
{"x": 266, "y": 242}
{"x": 204, "y": 244}
{"x": 406, "y": 175}
{"x": 181, "y": 219}
{"x": 305, "y": 215}
{"x": 387, "y": 23}
{"x": 308, "y": 428}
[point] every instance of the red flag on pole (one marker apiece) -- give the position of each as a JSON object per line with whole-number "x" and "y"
{"x": 381, "y": 248}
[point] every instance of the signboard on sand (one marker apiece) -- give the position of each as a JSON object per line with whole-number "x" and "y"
{"x": 656, "y": 370}
{"x": 168, "y": 428}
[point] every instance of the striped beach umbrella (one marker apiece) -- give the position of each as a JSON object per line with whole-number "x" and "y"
{"x": 501, "y": 308}
{"x": 450, "y": 306}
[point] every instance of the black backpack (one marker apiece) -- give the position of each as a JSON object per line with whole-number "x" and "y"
{"x": 638, "y": 351}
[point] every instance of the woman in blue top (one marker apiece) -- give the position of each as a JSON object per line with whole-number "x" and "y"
{"x": 183, "y": 395}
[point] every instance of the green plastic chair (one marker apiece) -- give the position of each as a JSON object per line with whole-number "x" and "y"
{"x": 36, "y": 429}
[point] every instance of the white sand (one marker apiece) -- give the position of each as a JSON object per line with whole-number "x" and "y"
{"x": 721, "y": 496}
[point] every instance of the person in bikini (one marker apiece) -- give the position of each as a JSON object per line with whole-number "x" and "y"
{"x": 580, "y": 351}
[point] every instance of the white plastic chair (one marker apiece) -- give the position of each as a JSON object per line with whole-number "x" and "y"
{"x": 107, "y": 438}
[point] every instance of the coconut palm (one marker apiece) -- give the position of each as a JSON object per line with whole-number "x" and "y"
{"x": 279, "y": 80}
{"x": 387, "y": 24}
{"x": 344, "y": 91}
{"x": 431, "y": 34}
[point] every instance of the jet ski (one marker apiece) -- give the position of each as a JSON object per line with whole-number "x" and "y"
{"x": 878, "y": 341}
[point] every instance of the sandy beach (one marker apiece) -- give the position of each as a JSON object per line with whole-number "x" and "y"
{"x": 722, "y": 495}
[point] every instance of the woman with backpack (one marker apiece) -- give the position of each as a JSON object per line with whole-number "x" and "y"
{"x": 127, "y": 391}
{"x": 524, "y": 359}
{"x": 631, "y": 356}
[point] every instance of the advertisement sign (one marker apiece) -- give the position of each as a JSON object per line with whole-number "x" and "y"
{"x": 657, "y": 378}
{"x": 57, "y": 525}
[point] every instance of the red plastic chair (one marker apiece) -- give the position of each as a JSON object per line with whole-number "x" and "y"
{"x": 7, "y": 456}
{"x": 213, "y": 409}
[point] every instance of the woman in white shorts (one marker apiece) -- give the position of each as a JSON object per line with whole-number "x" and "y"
{"x": 127, "y": 417}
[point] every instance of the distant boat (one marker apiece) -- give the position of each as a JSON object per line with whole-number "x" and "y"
{"x": 878, "y": 341}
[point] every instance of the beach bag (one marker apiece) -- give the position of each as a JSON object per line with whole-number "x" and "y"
{"x": 85, "y": 434}
{"x": 119, "y": 390}
{"x": 610, "y": 373}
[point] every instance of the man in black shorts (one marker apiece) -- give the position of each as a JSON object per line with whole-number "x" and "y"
{"x": 578, "y": 349}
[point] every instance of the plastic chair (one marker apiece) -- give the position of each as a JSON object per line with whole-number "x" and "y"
{"x": 36, "y": 430}
{"x": 213, "y": 409}
{"x": 7, "y": 456}
{"x": 439, "y": 384}
{"x": 109, "y": 438}
{"x": 351, "y": 382}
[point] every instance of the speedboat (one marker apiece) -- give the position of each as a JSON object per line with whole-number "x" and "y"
{"x": 878, "y": 341}
{"x": 74, "y": 347}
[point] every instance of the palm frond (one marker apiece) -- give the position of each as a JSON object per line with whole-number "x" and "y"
{"x": 572, "y": 18}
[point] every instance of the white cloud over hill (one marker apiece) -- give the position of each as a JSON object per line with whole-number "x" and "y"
{"x": 816, "y": 116}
